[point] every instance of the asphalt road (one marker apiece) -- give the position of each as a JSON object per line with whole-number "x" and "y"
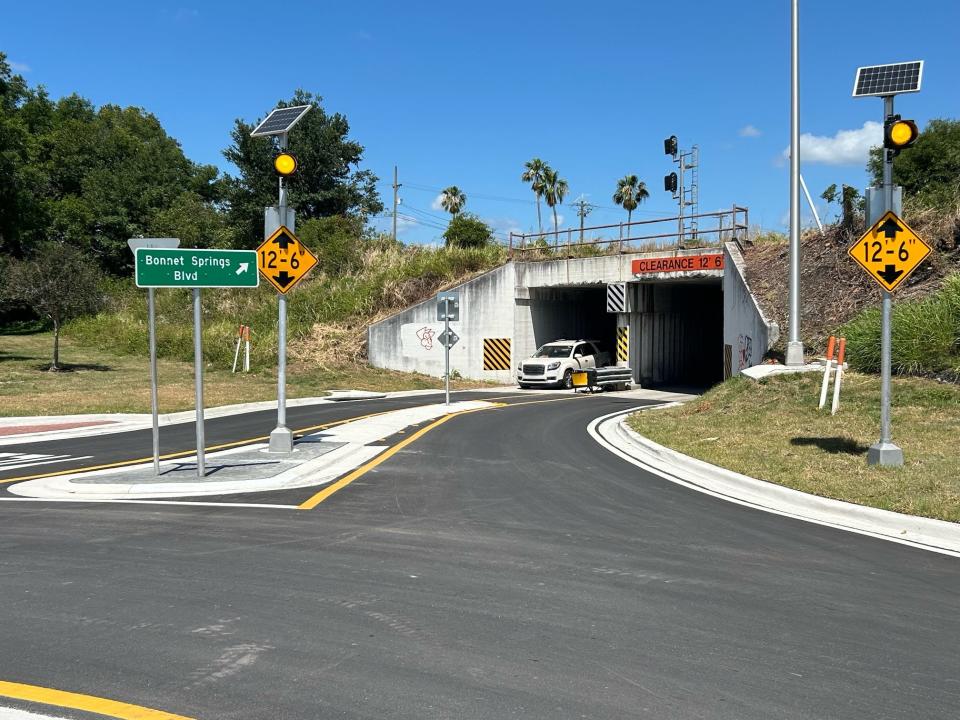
{"x": 503, "y": 565}
{"x": 137, "y": 445}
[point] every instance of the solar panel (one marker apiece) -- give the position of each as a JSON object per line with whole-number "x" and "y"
{"x": 280, "y": 120}
{"x": 888, "y": 79}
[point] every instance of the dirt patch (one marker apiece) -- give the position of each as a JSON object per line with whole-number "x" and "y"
{"x": 833, "y": 288}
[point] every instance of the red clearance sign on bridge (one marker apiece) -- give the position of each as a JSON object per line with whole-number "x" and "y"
{"x": 679, "y": 263}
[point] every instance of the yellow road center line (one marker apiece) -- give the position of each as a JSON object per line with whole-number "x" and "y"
{"x": 86, "y": 703}
{"x": 185, "y": 453}
{"x": 312, "y": 502}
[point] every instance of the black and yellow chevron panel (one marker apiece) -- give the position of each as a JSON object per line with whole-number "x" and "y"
{"x": 623, "y": 344}
{"x": 496, "y": 353}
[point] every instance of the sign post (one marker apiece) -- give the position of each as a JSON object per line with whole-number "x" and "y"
{"x": 284, "y": 261}
{"x": 889, "y": 260}
{"x": 448, "y": 308}
{"x": 167, "y": 267}
{"x": 135, "y": 243}
{"x": 278, "y": 123}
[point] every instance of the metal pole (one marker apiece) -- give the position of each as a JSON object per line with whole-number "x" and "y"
{"x": 396, "y": 187}
{"x": 154, "y": 398}
{"x": 682, "y": 198}
{"x": 198, "y": 379}
{"x": 281, "y": 439}
{"x": 884, "y": 452}
{"x": 446, "y": 327}
{"x": 794, "y": 344}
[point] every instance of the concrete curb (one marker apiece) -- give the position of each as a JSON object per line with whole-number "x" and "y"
{"x": 612, "y": 432}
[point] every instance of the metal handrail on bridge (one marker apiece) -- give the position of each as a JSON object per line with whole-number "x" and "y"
{"x": 730, "y": 224}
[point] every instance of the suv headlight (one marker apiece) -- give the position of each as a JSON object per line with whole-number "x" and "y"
{"x": 520, "y": 367}
{"x": 553, "y": 365}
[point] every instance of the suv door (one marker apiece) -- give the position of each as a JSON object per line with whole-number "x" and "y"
{"x": 583, "y": 353}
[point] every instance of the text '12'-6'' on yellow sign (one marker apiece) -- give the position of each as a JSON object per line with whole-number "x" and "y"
{"x": 284, "y": 260}
{"x": 889, "y": 251}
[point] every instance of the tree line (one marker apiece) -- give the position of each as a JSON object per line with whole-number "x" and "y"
{"x": 90, "y": 178}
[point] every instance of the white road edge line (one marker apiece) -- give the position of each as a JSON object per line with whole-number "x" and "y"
{"x": 596, "y": 434}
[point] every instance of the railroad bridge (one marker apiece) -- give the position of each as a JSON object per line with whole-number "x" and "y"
{"x": 674, "y": 307}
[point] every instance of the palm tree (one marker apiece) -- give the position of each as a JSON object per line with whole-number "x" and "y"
{"x": 631, "y": 191}
{"x": 452, "y": 199}
{"x": 533, "y": 173}
{"x": 555, "y": 189}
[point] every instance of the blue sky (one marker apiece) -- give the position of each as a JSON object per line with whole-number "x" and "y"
{"x": 464, "y": 93}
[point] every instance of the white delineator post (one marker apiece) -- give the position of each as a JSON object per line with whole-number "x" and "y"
{"x": 839, "y": 380}
{"x": 246, "y": 355}
{"x": 236, "y": 351}
{"x": 831, "y": 344}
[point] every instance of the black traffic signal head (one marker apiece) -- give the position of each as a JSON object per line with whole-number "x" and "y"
{"x": 670, "y": 146}
{"x": 899, "y": 134}
{"x": 670, "y": 182}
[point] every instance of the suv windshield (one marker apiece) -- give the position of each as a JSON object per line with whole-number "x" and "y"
{"x": 554, "y": 351}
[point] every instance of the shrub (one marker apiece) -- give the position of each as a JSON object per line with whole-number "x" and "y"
{"x": 925, "y": 334}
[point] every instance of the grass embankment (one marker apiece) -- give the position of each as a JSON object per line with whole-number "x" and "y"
{"x": 101, "y": 381}
{"x": 773, "y": 431}
{"x": 327, "y": 314}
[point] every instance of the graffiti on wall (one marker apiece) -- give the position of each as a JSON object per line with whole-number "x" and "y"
{"x": 425, "y": 336}
{"x": 745, "y": 352}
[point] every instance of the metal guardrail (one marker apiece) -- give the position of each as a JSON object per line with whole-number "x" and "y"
{"x": 719, "y": 227}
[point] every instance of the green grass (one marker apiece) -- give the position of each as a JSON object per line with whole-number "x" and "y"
{"x": 773, "y": 431}
{"x": 925, "y": 334}
{"x": 102, "y": 381}
{"x": 389, "y": 278}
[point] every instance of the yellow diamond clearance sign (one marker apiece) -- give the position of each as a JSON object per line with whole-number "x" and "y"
{"x": 284, "y": 260}
{"x": 889, "y": 251}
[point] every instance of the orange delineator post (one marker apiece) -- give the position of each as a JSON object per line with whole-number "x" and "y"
{"x": 836, "y": 383}
{"x": 831, "y": 344}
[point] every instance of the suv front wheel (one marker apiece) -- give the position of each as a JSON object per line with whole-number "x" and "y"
{"x": 568, "y": 379}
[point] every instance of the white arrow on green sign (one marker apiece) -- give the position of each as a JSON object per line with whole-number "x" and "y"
{"x": 193, "y": 268}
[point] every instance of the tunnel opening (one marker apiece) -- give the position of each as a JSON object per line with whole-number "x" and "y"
{"x": 677, "y": 330}
{"x": 573, "y": 313}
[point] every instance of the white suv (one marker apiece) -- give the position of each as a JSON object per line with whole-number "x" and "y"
{"x": 555, "y": 363}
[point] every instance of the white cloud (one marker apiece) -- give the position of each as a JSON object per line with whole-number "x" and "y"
{"x": 847, "y": 147}
{"x": 749, "y": 131}
{"x": 19, "y": 67}
{"x": 437, "y": 203}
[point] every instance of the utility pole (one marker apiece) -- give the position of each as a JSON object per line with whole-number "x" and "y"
{"x": 583, "y": 209}
{"x": 396, "y": 202}
{"x": 794, "y": 343}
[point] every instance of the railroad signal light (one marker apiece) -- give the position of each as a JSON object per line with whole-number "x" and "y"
{"x": 899, "y": 134}
{"x": 670, "y": 182}
{"x": 285, "y": 164}
{"x": 670, "y": 146}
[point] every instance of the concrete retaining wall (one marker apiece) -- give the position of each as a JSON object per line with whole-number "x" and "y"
{"x": 408, "y": 340}
{"x": 747, "y": 333}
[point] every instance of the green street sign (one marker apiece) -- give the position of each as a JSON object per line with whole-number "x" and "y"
{"x": 192, "y": 268}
